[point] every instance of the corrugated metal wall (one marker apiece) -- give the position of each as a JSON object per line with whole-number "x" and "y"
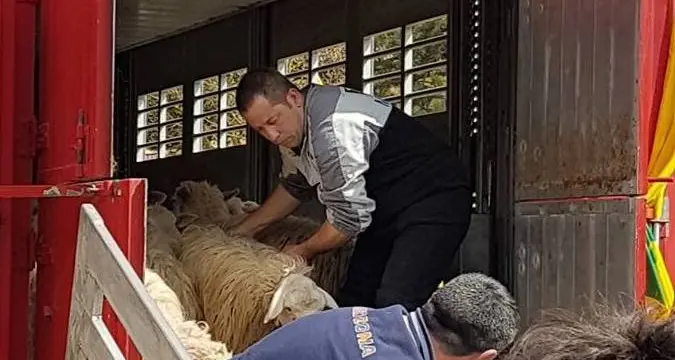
{"x": 576, "y": 137}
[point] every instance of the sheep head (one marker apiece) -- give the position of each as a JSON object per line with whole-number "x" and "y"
{"x": 204, "y": 200}
{"x": 297, "y": 296}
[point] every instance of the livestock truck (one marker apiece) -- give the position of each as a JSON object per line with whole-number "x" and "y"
{"x": 553, "y": 105}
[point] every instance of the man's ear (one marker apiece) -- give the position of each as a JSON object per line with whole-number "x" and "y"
{"x": 488, "y": 355}
{"x": 294, "y": 98}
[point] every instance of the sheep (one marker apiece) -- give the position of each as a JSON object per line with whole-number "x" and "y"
{"x": 161, "y": 220}
{"x": 161, "y": 255}
{"x": 224, "y": 209}
{"x": 329, "y": 269}
{"x": 248, "y": 288}
{"x": 193, "y": 335}
{"x": 205, "y": 201}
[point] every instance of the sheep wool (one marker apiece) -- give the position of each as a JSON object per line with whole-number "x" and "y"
{"x": 161, "y": 256}
{"x": 193, "y": 335}
{"x": 212, "y": 206}
{"x": 204, "y": 200}
{"x": 178, "y": 279}
{"x": 162, "y": 221}
{"x": 244, "y": 284}
{"x": 329, "y": 269}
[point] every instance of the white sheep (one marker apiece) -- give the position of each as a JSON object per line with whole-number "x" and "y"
{"x": 329, "y": 269}
{"x": 162, "y": 253}
{"x": 161, "y": 220}
{"x": 193, "y": 335}
{"x": 212, "y": 206}
{"x": 205, "y": 201}
{"x": 248, "y": 288}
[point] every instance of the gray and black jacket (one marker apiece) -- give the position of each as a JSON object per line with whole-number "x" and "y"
{"x": 361, "y": 154}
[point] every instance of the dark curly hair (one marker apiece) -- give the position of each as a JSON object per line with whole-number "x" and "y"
{"x": 603, "y": 334}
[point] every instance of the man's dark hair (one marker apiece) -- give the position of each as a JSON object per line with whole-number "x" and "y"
{"x": 266, "y": 82}
{"x": 605, "y": 333}
{"x": 472, "y": 313}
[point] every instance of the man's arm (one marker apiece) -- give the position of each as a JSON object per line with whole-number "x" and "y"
{"x": 288, "y": 195}
{"x": 342, "y": 143}
{"x": 276, "y": 207}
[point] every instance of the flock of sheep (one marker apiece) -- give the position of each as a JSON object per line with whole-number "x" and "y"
{"x": 221, "y": 291}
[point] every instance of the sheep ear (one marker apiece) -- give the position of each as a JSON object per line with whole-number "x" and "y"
{"x": 182, "y": 192}
{"x": 330, "y": 302}
{"x": 156, "y": 197}
{"x": 230, "y": 193}
{"x": 276, "y": 305}
{"x": 185, "y": 219}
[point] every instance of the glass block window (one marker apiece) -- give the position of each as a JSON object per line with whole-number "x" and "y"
{"x": 408, "y": 66}
{"x": 325, "y": 66}
{"x": 217, "y": 123}
{"x": 159, "y": 125}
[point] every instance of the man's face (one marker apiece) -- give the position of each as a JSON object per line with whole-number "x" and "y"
{"x": 281, "y": 124}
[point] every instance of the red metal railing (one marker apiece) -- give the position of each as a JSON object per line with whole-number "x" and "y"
{"x": 122, "y": 204}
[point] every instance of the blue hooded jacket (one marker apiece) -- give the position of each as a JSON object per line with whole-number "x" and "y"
{"x": 347, "y": 333}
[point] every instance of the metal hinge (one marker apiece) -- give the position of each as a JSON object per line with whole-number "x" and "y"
{"x": 42, "y": 136}
{"x": 27, "y": 144}
{"x": 81, "y": 137}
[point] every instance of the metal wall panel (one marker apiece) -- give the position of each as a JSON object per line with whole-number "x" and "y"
{"x": 139, "y": 22}
{"x": 181, "y": 60}
{"x": 577, "y": 90}
{"x": 567, "y": 253}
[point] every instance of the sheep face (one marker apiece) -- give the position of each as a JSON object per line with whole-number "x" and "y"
{"x": 204, "y": 200}
{"x": 164, "y": 219}
{"x": 297, "y": 296}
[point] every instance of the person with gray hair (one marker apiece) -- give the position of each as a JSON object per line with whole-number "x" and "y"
{"x": 473, "y": 317}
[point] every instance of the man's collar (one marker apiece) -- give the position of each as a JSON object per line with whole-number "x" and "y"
{"x": 305, "y": 120}
{"x": 419, "y": 332}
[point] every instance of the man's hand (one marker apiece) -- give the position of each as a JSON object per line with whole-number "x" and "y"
{"x": 326, "y": 239}
{"x": 298, "y": 249}
{"x": 279, "y": 205}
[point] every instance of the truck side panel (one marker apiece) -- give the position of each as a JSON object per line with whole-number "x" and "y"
{"x": 568, "y": 253}
{"x": 577, "y": 155}
{"x": 577, "y": 106}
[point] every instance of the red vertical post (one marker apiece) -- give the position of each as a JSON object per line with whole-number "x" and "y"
{"x": 124, "y": 215}
{"x": 7, "y": 116}
{"x": 76, "y": 70}
{"x": 24, "y": 151}
{"x": 75, "y": 114}
{"x": 17, "y": 36}
{"x": 655, "y": 28}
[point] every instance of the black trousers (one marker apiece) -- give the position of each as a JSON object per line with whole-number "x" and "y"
{"x": 403, "y": 261}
